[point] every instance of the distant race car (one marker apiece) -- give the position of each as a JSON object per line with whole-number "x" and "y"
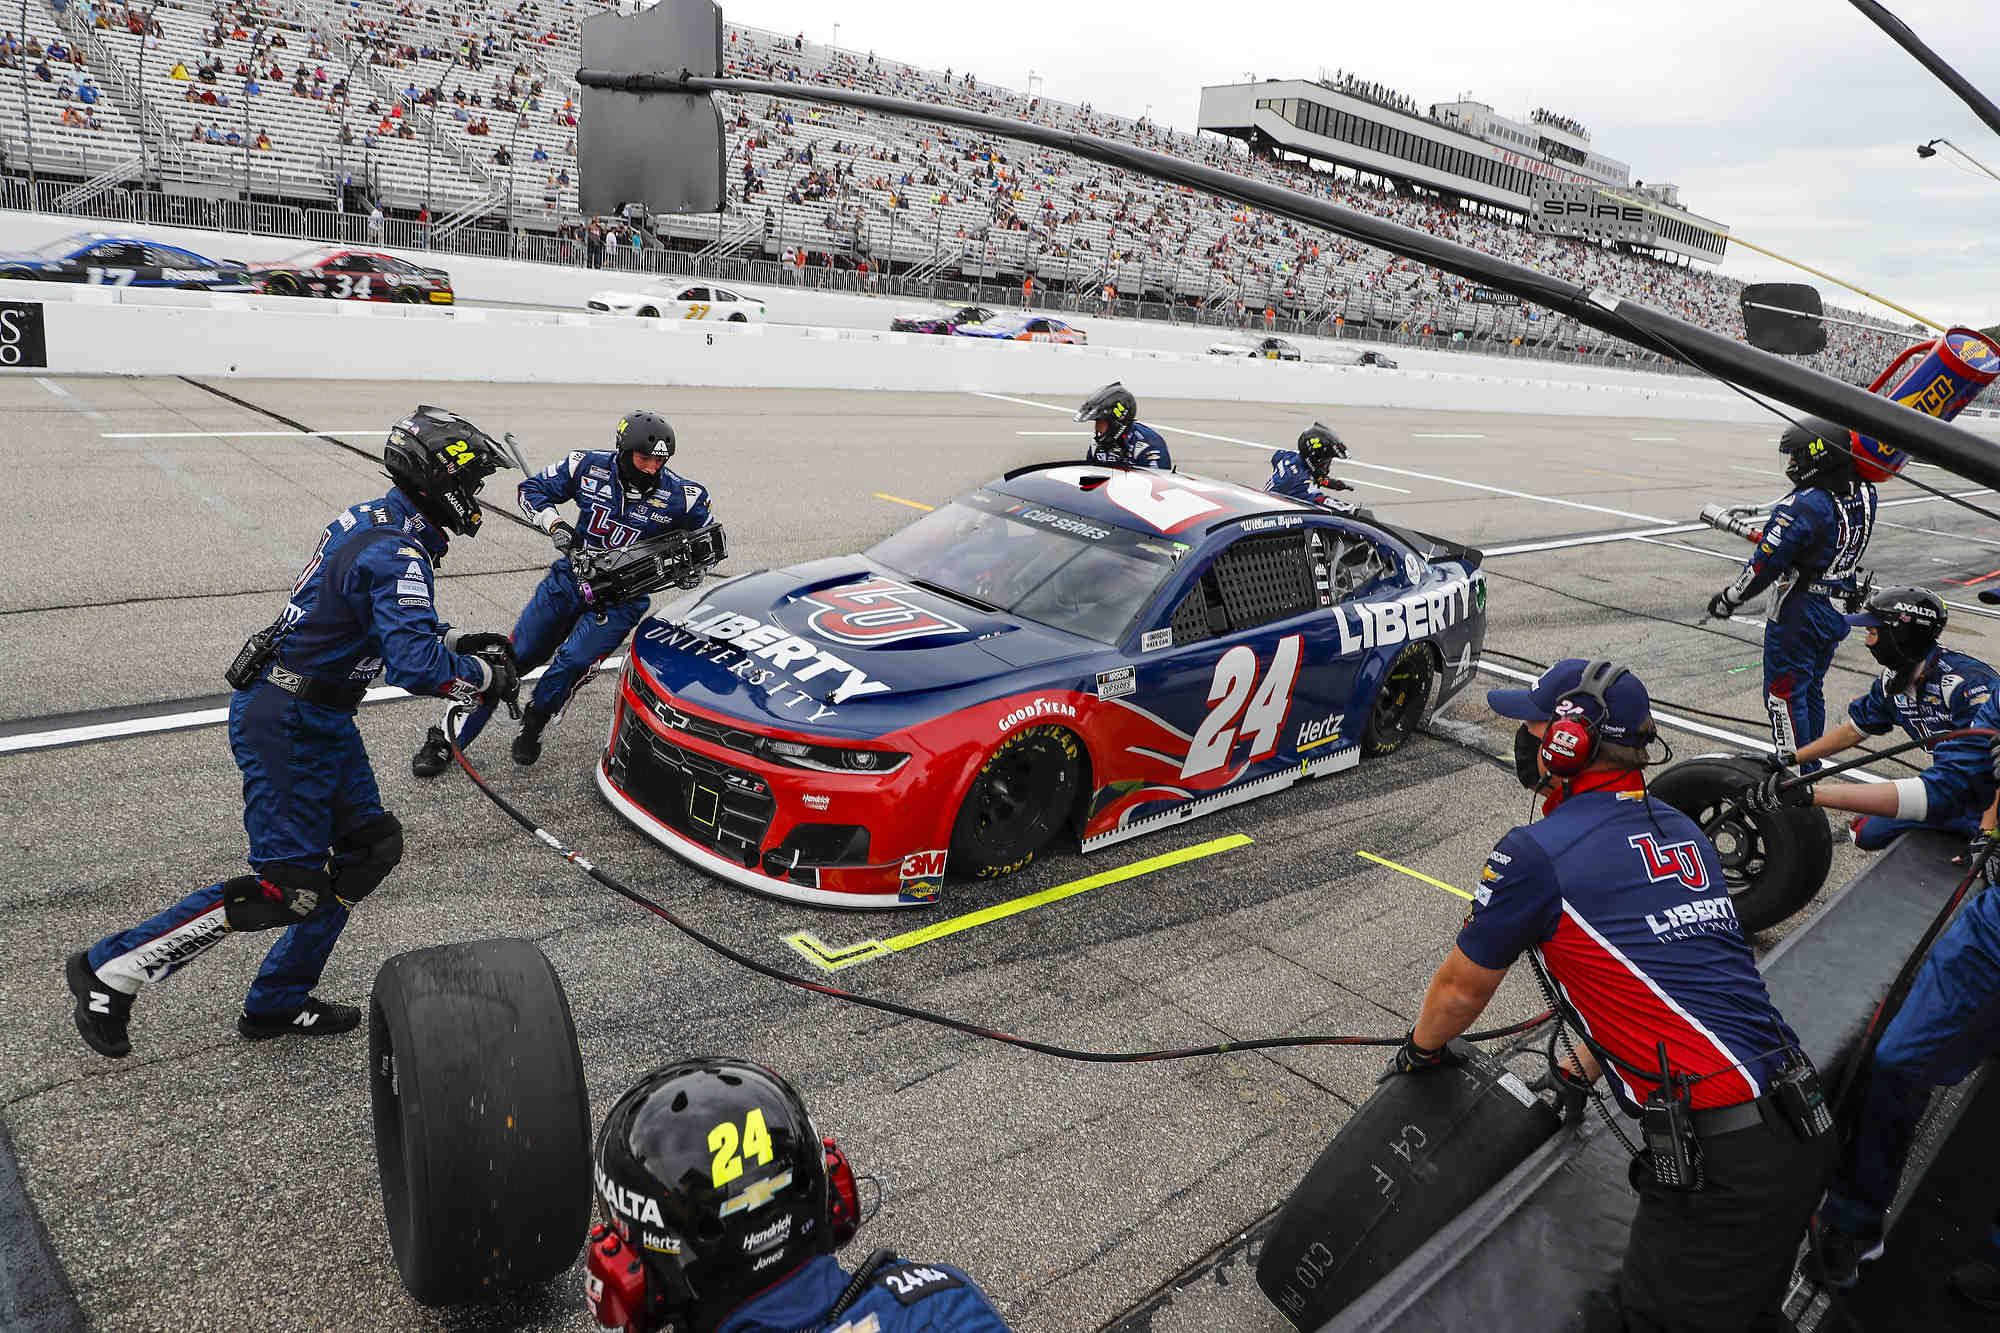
{"x": 1071, "y": 649}
{"x": 124, "y": 261}
{"x": 355, "y": 275}
{"x": 1376, "y": 359}
{"x": 692, "y": 301}
{"x": 965, "y": 314}
{"x": 1270, "y": 349}
{"x": 1024, "y": 328}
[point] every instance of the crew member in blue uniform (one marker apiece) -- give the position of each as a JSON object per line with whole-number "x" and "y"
{"x": 1300, "y": 473}
{"x": 1809, "y": 556}
{"x": 320, "y": 839}
{"x": 1622, "y": 900}
{"x": 1116, "y": 435}
{"x": 623, "y": 495}
{"x": 711, "y": 1176}
{"x": 1928, "y": 691}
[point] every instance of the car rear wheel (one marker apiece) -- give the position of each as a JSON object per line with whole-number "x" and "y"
{"x": 1399, "y": 702}
{"x": 647, "y": 312}
{"x": 1019, "y": 798}
{"x": 408, "y": 296}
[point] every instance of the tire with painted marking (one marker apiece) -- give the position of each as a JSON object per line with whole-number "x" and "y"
{"x": 482, "y": 1119}
{"x": 1773, "y": 862}
{"x": 1020, "y": 797}
{"x": 1399, "y": 701}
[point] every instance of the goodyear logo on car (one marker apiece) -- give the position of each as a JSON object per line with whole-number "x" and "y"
{"x": 1365, "y": 625}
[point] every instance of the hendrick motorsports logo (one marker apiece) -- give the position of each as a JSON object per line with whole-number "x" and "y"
{"x": 1380, "y": 624}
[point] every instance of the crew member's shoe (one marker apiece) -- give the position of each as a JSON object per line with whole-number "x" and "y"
{"x": 433, "y": 756}
{"x": 528, "y": 744}
{"x": 101, "y": 1011}
{"x": 1978, "y": 1282}
{"x": 1835, "y": 1257}
{"x": 319, "y": 1018}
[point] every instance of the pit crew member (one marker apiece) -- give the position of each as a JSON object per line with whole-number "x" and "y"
{"x": 320, "y": 839}
{"x": 711, "y": 1176}
{"x": 1809, "y": 556}
{"x": 623, "y": 494}
{"x": 1620, "y": 898}
{"x": 1926, "y": 690}
{"x": 1116, "y": 434}
{"x": 1298, "y": 472}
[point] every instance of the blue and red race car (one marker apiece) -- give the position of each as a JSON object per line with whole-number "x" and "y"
{"x": 124, "y": 261}
{"x": 946, "y": 324}
{"x": 1074, "y": 647}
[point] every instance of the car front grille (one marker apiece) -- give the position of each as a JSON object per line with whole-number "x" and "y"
{"x": 704, "y": 799}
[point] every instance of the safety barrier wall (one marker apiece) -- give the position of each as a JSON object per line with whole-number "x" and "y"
{"x": 103, "y": 330}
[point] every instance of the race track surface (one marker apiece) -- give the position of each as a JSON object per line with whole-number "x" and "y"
{"x": 207, "y": 1183}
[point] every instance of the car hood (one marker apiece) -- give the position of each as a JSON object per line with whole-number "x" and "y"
{"x": 842, "y": 645}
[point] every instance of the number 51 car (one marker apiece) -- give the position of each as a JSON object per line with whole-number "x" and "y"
{"x": 1071, "y": 650}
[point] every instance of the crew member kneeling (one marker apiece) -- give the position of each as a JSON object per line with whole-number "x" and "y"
{"x": 723, "y": 1207}
{"x": 1622, "y": 899}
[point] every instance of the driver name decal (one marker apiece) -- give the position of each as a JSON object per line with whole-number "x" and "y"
{"x": 1366, "y": 625}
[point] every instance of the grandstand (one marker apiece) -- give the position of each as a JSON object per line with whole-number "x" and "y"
{"x": 458, "y": 120}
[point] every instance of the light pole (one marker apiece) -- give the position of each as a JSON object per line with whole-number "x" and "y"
{"x": 512, "y": 140}
{"x": 145, "y": 24}
{"x": 28, "y": 121}
{"x": 1926, "y": 150}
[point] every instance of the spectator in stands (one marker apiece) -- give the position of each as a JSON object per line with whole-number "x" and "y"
{"x": 90, "y": 120}
{"x": 233, "y": 139}
{"x": 214, "y": 135}
{"x": 252, "y": 88}
{"x": 375, "y": 223}
{"x": 87, "y": 93}
{"x": 263, "y": 144}
{"x": 72, "y": 116}
{"x": 541, "y": 154}
{"x": 42, "y": 71}
{"x": 593, "y": 244}
{"x": 33, "y": 50}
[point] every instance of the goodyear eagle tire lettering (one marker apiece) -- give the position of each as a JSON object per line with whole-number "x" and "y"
{"x": 1022, "y": 794}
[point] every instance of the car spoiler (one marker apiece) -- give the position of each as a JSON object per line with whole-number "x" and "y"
{"x": 1434, "y": 548}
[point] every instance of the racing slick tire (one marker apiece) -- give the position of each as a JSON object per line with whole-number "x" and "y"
{"x": 1400, "y": 701}
{"x": 739, "y": 318}
{"x": 1419, "y": 1152}
{"x": 1021, "y": 795}
{"x": 1774, "y": 862}
{"x": 482, "y": 1119}
{"x": 283, "y": 284}
{"x": 408, "y": 296}
{"x": 647, "y": 312}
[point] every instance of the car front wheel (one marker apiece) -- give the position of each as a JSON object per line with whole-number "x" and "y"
{"x": 1019, "y": 798}
{"x": 1399, "y": 702}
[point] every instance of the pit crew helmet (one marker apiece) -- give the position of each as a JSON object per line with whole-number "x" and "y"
{"x": 1319, "y": 446}
{"x": 1113, "y": 409}
{"x": 713, "y": 1185}
{"x": 1818, "y": 453}
{"x": 643, "y": 435}
{"x": 1907, "y": 622}
{"x": 440, "y": 460}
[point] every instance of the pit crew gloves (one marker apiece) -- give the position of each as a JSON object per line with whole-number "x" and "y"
{"x": 1411, "y": 1058}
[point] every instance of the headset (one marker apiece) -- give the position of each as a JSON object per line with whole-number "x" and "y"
{"x": 1571, "y": 742}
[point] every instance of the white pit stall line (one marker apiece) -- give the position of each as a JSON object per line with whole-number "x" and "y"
{"x": 233, "y": 434}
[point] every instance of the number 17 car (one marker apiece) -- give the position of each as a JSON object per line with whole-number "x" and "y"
{"x": 1072, "y": 650}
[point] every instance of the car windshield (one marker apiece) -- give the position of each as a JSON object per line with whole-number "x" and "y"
{"x": 1044, "y": 564}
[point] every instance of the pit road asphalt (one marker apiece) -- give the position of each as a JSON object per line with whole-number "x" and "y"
{"x": 207, "y": 1183}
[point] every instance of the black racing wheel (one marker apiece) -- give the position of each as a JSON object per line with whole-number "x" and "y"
{"x": 1773, "y": 862}
{"x": 408, "y": 296}
{"x": 1399, "y": 702}
{"x": 739, "y": 318}
{"x": 16, "y": 273}
{"x": 282, "y": 284}
{"x": 647, "y": 312}
{"x": 1020, "y": 797}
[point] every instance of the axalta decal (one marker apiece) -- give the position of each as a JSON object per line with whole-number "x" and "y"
{"x": 1029, "y": 712}
{"x": 641, "y": 1208}
{"x": 1379, "y": 624}
{"x": 743, "y": 645}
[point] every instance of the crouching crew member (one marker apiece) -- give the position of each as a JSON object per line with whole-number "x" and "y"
{"x": 1621, "y": 899}
{"x": 1928, "y": 691}
{"x": 623, "y": 495}
{"x": 1116, "y": 435}
{"x": 1809, "y": 557}
{"x": 1301, "y": 473}
{"x": 320, "y": 840}
{"x": 722, "y": 1209}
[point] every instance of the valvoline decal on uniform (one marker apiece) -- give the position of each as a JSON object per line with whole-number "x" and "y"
{"x": 1943, "y": 378}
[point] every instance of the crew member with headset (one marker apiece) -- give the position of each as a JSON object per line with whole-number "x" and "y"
{"x": 1297, "y": 472}
{"x": 1928, "y": 691}
{"x": 1621, "y": 899}
{"x": 1809, "y": 556}
{"x": 1116, "y": 435}
{"x": 623, "y": 494}
{"x": 722, "y": 1208}
{"x": 320, "y": 839}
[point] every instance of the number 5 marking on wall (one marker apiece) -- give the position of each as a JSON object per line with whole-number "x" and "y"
{"x": 1262, "y": 720}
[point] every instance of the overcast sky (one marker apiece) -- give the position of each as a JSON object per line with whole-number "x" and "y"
{"x": 1794, "y": 122}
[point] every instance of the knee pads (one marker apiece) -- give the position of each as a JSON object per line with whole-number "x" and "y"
{"x": 363, "y": 857}
{"x": 283, "y": 895}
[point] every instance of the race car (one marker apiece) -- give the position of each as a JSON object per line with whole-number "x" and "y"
{"x": 1023, "y": 328}
{"x": 965, "y": 314}
{"x": 693, "y": 301}
{"x": 124, "y": 261}
{"x": 1270, "y": 349}
{"x": 1071, "y": 649}
{"x": 1372, "y": 358}
{"x": 355, "y": 275}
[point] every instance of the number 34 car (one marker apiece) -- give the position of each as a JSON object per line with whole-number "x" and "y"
{"x": 1071, "y": 650}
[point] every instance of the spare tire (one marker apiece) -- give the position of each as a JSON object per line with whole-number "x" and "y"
{"x": 482, "y": 1119}
{"x": 1773, "y": 862}
{"x": 1413, "y": 1157}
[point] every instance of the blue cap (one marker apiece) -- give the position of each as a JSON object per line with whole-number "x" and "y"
{"x": 1630, "y": 708}
{"x": 1864, "y": 620}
